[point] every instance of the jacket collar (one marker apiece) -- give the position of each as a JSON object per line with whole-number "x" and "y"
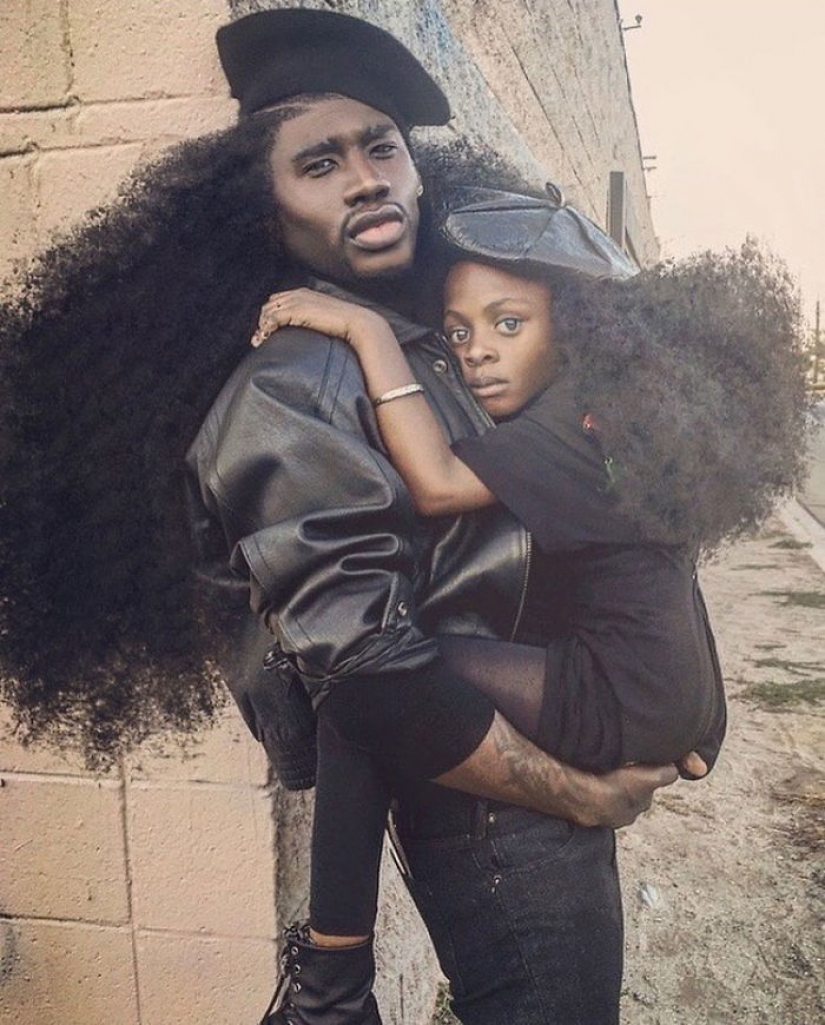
{"x": 404, "y": 330}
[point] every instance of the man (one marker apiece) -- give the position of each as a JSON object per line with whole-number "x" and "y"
{"x": 521, "y": 896}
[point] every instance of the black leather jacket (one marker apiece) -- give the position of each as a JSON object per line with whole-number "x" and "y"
{"x": 349, "y": 580}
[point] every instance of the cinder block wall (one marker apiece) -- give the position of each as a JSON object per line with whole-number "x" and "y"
{"x": 153, "y": 895}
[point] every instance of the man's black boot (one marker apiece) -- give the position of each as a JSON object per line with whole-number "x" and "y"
{"x": 323, "y": 985}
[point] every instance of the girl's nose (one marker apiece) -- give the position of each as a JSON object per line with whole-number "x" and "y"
{"x": 478, "y": 352}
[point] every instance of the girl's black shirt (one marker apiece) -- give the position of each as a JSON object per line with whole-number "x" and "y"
{"x": 633, "y": 674}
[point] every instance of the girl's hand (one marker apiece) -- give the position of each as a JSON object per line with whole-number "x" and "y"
{"x": 302, "y": 307}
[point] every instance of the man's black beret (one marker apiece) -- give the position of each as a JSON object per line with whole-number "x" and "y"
{"x": 277, "y": 54}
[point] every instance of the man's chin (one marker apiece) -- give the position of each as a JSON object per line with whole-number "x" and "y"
{"x": 393, "y": 262}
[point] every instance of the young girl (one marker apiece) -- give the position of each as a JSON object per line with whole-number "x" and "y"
{"x": 592, "y": 386}
{"x": 636, "y": 678}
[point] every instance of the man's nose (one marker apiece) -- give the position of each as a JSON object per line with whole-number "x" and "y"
{"x": 365, "y": 181}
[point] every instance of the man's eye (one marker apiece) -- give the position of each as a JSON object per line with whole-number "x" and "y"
{"x": 509, "y": 325}
{"x": 384, "y": 150}
{"x": 457, "y": 335}
{"x": 319, "y": 167}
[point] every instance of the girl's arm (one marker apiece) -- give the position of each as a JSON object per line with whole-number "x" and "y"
{"x": 437, "y": 479}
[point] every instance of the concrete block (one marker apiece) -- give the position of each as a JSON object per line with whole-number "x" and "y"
{"x": 157, "y": 120}
{"x": 111, "y": 124}
{"x": 31, "y": 130}
{"x": 225, "y": 753}
{"x": 127, "y": 49}
{"x": 38, "y": 758}
{"x": 556, "y": 72}
{"x": 292, "y": 813}
{"x": 522, "y": 59}
{"x": 70, "y": 182}
{"x": 204, "y": 979}
{"x": 18, "y": 232}
{"x": 62, "y": 849}
{"x": 66, "y": 974}
{"x": 444, "y": 33}
{"x": 201, "y": 858}
{"x": 34, "y": 55}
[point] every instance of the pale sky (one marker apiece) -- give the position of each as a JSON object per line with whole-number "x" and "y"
{"x": 730, "y": 97}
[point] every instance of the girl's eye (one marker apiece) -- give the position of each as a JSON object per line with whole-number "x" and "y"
{"x": 509, "y": 325}
{"x": 457, "y": 335}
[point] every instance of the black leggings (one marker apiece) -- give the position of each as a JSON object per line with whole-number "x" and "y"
{"x": 352, "y": 800}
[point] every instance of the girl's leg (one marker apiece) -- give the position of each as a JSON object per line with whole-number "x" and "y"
{"x": 328, "y": 966}
{"x": 351, "y": 806}
{"x": 511, "y": 675}
{"x": 555, "y": 696}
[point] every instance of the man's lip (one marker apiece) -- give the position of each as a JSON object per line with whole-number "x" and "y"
{"x": 359, "y": 223}
{"x": 376, "y": 238}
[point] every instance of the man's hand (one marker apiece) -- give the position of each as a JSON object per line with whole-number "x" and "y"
{"x": 618, "y": 798}
{"x": 692, "y": 766}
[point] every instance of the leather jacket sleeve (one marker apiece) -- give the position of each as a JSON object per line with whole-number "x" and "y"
{"x": 320, "y": 524}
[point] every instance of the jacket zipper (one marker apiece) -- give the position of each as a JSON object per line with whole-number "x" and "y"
{"x": 528, "y": 538}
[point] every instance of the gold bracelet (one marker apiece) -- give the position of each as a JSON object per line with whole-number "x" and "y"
{"x": 397, "y": 393}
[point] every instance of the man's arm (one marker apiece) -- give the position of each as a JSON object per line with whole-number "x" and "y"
{"x": 507, "y": 767}
{"x": 318, "y": 521}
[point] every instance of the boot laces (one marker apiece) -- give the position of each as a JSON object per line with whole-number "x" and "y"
{"x": 288, "y": 982}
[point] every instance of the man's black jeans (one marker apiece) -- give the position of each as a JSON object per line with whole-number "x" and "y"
{"x": 524, "y": 911}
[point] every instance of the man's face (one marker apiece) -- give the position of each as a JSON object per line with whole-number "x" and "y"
{"x": 346, "y": 189}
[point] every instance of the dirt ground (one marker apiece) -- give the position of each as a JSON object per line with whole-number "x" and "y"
{"x": 724, "y": 880}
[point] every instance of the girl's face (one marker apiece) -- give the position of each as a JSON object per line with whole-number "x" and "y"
{"x": 498, "y": 325}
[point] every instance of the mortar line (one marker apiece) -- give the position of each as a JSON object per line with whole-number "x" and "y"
{"x": 124, "y": 812}
{"x": 69, "y": 49}
{"x": 125, "y": 927}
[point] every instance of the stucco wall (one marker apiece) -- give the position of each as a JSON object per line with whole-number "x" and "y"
{"x": 154, "y": 894}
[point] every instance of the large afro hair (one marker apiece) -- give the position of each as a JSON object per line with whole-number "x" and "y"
{"x": 694, "y": 374}
{"x": 120, "y": 336}
{"x": 112, "y": 349}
